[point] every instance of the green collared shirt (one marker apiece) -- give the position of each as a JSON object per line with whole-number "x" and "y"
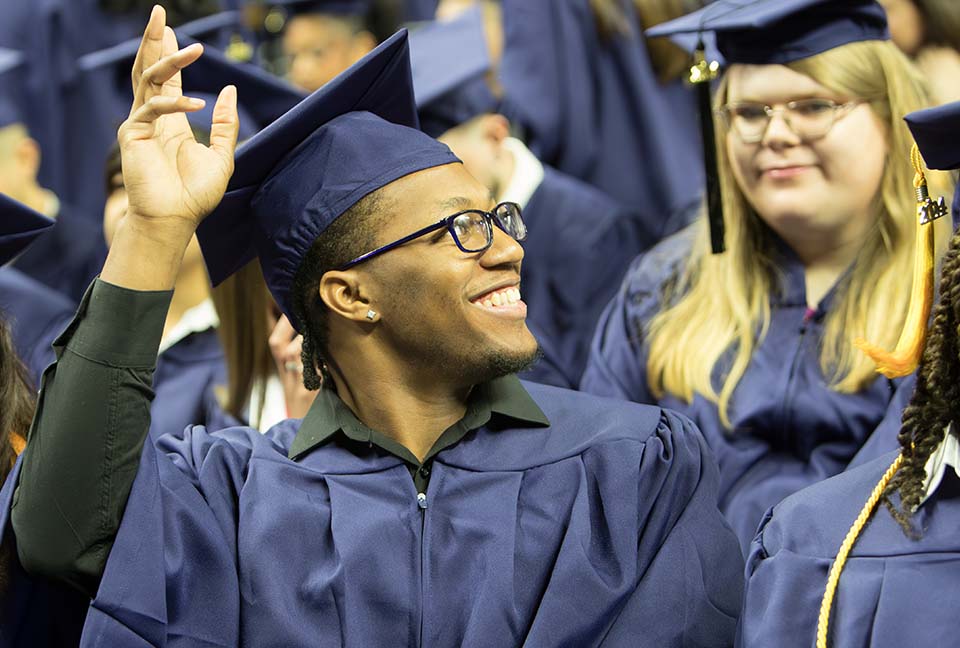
{"x": 329, "y": 416}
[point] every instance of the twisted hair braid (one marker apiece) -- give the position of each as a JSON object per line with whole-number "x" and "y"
{"x": 935, "y": 400}
{"x": 349, "y": 236}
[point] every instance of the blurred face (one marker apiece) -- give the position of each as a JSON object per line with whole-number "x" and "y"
{"x": 906, "y": 25}
{"x": 320, "y": 47}
{"x": 438, "y": 304}
{"x": 19, "y": 162}
{"x": 808, "y": 190}
{"x": 115, "y": 209}
{"x": 478, "y": 144}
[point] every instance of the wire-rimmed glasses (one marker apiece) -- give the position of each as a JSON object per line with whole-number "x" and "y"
{"x": 809, "y": 119}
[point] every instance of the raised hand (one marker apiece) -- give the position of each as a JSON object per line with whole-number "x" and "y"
{"x": 172, "y": 181}
{"x": 166, "y": 172}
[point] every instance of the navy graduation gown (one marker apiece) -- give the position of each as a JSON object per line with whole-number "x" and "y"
{"x": 596, "y": 111}
{"x": 68, "y": 257}
{"x": 789, "y": 428}
{"x": 185, "y": 381}
{"x": 601, "y": 529}
{"x": 36, "y": 315}
{"x": 893, "y": 592}
{"x": 579, "y": 244}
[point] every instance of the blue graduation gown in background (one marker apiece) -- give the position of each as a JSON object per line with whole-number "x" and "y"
{"x": 184, "y": 383}
{"x": 68, "y": 257}
{"x": 597, "y": 112}
{"x": 53, "y": 34}
{"x": 578, "y": 247}
{"x": 419, "y": 10}
{"x": 893, "y": 592}
{"x": 601, "y": 529}
{"x": 790, "y": 429}
{"x": 36, "y": 315}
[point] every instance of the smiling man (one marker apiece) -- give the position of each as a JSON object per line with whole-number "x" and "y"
{"x": 428, "y": 498}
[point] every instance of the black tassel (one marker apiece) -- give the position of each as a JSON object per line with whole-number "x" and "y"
{"x": 701, "y": 74}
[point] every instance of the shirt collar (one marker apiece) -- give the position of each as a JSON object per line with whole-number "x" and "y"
{"x": 947, "y": 455}
{"x": 527, "y": 173}
{"x": 328, "y": 415}
{"x": 197, "y": 319}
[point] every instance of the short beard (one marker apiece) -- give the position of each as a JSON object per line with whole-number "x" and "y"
{"x": 497, "y": 365}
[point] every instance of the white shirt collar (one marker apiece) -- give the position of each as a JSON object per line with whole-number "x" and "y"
{"x": 197, "y": 319}
{"x": 946, "y": 455}
{"x": 274, "y": 403}
{"x": 527, "y": 173}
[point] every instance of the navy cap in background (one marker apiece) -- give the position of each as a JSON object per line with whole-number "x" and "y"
{"x": 779, "y": 31}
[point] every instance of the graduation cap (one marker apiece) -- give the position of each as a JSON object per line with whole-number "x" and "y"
{"x": 937, "y": 134}
{"x": 19, "y": 226}
{"x": 10, "y": 62}
{"x": 356, "y": 134}
{"x": 449, "y": 60}
{"x": 762, "y": 32}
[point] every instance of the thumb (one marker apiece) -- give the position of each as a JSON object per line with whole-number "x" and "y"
{"x": 226, "y": 125}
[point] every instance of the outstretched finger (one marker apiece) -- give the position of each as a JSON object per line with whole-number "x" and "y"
{"x": 150, "y": 46}
{"x": 140, "y": 124}
{"x": 165, "y": 72}
{"x": 223, "y": 133}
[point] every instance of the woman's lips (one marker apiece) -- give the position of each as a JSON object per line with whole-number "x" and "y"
{"x": 784, "y": 173}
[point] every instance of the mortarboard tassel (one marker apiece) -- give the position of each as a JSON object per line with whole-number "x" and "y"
{"x": 906, "y": 356}
{"x": 701, "y": 74}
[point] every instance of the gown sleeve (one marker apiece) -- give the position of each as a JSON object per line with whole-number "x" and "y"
{"x": 690, "y": 559}
{"x": 82, "y": 450}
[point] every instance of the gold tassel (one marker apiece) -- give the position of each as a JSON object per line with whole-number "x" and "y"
{"x": 905, "y": 357}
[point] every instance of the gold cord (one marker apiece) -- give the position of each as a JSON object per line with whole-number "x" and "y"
{"x": 845, "y": 548}
{"x": 919, "y": 179}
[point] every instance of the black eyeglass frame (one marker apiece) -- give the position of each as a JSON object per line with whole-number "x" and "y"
{"x": 489, "y": 219}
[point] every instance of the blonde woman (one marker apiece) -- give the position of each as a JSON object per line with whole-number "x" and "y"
{"x": 756, "y": 344}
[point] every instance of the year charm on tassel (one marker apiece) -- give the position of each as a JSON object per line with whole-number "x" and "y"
{"x": 929, "y": 210}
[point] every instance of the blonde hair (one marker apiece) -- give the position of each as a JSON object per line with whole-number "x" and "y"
{"x": 694, "y": 330}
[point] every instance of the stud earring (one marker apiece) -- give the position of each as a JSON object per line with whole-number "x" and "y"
{"x": 371, "y": 314}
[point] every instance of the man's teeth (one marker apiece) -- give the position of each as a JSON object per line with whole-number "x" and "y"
{"x": 504, "y": 297}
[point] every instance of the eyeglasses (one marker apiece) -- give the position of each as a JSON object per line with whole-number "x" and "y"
{"x": 471, "y": 229}
{"x": 809, "y": 119}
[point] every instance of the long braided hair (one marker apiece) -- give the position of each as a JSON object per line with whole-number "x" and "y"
{"x": 16, "y": 411}
{"x": 349, "y": 236}
{"x": 936, "y": 400}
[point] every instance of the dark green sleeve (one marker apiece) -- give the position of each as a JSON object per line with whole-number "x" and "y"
{"x": 84, "y": 447}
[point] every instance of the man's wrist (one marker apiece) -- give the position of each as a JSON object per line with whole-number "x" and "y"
{"x": 145, "y": 253}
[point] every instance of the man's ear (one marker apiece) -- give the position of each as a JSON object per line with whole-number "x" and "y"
{"x": 495, "y": 128}
{"x": 344, "y": 294}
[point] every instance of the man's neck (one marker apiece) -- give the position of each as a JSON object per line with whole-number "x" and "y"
{"x": 412, "y": 414}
